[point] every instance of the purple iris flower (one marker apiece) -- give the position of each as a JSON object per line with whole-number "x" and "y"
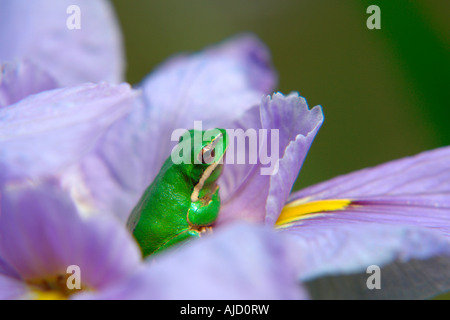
{"x": 78, "y": 149}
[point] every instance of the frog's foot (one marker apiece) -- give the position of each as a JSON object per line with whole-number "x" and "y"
{"x": 204, "y": 214}
{"x": 202, "y": 230}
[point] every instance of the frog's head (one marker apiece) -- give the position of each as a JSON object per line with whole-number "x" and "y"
{"x": 207, "y": 150}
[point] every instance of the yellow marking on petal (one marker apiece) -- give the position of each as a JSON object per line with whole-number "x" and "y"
{"x": 49, "y": 295}
{"x": 300, "y": 209}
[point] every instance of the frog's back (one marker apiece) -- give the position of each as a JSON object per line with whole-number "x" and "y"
{"x": 162, "y": 211}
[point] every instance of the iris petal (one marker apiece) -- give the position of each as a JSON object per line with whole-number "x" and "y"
{"x": 236, "y": 262}
{"x": 49, "y": 131}
{"x": 21, "y": 79}
{"x": 413, "y": 262}
{"x": 42, "y": 234}
{"x": 11, "y": 288}
{"x": 396, "y": 216}
{"x": 247, "y": 192}
{"x": 411, "y": 191}
{"x": 37, "y": 31}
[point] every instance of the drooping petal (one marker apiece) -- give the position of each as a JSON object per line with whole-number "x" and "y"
{"x": 39, "y": 31}
{"x": 396, "y": 215}
{"x": 21, "y": 79}
{"x": 50, "y": 130}
{"x": 42, "y": 234}
{"x": 239, "y": 262}
{"x": 213, "y": 86}
{"x": 411, "y": 191}
{"x": 258, "y": 191}
{"x": 335, "y": 261}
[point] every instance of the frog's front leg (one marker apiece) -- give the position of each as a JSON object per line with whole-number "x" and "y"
{"x": 205, "y": 210}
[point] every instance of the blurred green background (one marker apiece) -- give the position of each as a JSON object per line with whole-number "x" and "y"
{"x": 385, "y": 93}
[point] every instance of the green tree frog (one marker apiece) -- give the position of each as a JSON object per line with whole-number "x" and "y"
{"x": 183, "y": 200}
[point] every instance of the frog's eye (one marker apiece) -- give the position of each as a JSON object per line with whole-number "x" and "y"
{"x": 207, "y": 155}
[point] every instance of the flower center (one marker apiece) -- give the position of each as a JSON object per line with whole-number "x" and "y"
{"x": 59, "y": 287}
